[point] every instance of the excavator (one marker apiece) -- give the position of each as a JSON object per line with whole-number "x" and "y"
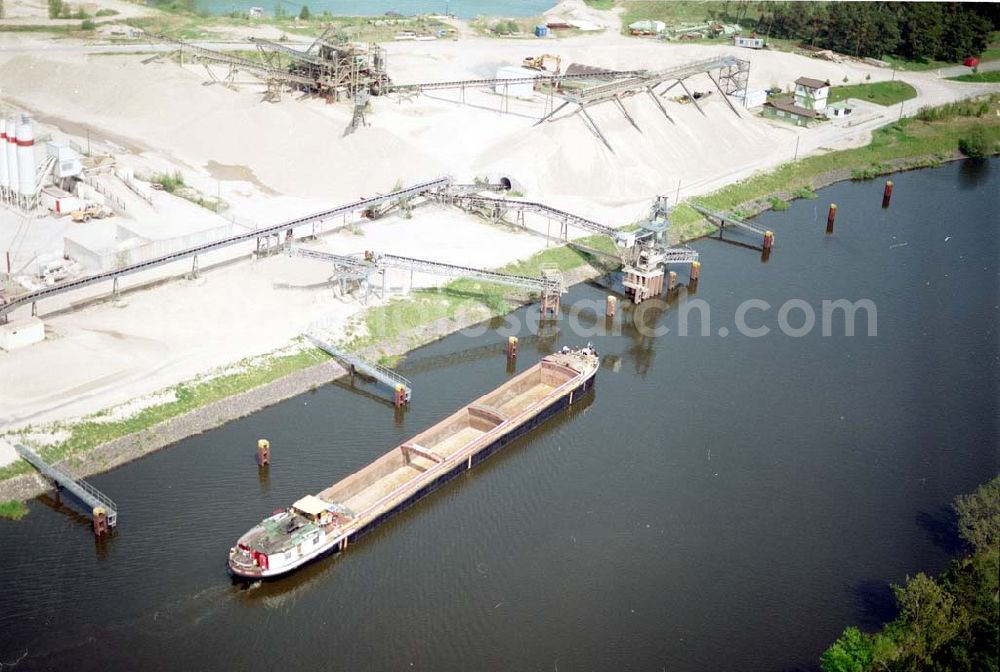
{"x": 538, "y": 63}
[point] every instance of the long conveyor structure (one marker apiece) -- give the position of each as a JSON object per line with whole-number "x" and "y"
{"x": 567, "y": 219}
{"x": 262, "y": 70}
{"x": 362, "y": 268}
{"x": 288, "y": 228}
{"x": 732, "y": 78}
{"x": 494, "y": 81}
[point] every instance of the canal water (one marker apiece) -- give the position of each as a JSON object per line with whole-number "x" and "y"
{"x": 720, "y": 503}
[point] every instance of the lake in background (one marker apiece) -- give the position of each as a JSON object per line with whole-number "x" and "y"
{"x": 463, "y": 9}
{"x": 719, "y": 503}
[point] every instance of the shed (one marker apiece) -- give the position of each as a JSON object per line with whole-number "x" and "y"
{"x": 749, "y": 99}
{"x": 21, "y": 333}
{"x": 59, "y": 201}
{"x": 752, "y": 42}
{"x": 541, "y": 31}
{"x": 786, "y": 109}
{"x": 838, "y": 110}
{"x": 517, "y": 89}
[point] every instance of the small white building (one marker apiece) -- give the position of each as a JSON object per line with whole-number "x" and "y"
{"x": 811, "y": 94}
{"x": 21, "y": 333}
{"x": 749, "y": 99}
{"x": 59, "y": 201}
{"x": 516, "y": 89}
{"x": 837, "y": 110}
{"x": 752, "y": 42}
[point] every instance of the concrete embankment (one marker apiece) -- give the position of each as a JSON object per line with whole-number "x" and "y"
{"x": 127, "y": 448}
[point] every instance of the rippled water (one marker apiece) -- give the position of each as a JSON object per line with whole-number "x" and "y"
{"x": 718, "y": 504}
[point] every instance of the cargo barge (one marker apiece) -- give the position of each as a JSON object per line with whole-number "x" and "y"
{"x": 330, "y": 520}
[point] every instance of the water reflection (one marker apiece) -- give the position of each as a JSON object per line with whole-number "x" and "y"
{"x": 973, "y": 172}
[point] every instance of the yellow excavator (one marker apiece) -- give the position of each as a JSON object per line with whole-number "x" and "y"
{"x": 538, "y": 63}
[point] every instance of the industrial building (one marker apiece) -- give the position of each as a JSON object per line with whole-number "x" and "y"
{"x": 786, "y": 110}
{"x": 811, "y": 94}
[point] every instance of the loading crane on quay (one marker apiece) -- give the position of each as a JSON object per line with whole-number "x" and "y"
{"x": 643, "y": 254}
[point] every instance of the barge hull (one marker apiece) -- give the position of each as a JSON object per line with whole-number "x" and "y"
{"x": 543, "y": 414}
{"x": 349, "y": 509}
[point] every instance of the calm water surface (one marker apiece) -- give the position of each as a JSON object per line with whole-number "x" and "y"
{"x": 718, "y": 504}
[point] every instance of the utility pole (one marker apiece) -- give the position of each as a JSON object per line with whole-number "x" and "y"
{"x": 797, "y": 138}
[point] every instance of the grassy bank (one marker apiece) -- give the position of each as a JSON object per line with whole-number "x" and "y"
{"x": 66, "y": 29}
{"x": 13, "y": 510}
{"x": 910, "y": 143}
{"x": 990, "y": 77}
{"x": 880, "y": 93}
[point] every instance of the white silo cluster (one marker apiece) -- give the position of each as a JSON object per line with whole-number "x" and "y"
{"x": 18, "y": 182}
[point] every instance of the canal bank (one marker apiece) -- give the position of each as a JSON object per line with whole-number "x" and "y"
{"x": 721, "y": 503}
{"x": 906, "y": 145}
{"x": 23, "y": 483}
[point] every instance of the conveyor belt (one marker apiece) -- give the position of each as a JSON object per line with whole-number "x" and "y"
{"x": 452, "y": 270}
{"x": 379, "y": 262}
{"x": 294, "y": 53}
{"x": 462, "y": 83}
{"x": 465, "y": 200}
{"x": 361, "y": 204}
{"x": 259, "y": 69}
{"x": 641, "y": 80}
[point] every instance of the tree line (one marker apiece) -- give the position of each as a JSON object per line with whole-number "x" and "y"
{"x": 914, "y": 30}
{"x": 947, "y": 624}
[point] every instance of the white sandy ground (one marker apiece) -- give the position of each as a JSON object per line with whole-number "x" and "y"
{"x": 36, "y": 12}
{"x": 111, "y": 353}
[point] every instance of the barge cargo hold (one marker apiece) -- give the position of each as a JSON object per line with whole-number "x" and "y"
{"x": 319, "y": 524}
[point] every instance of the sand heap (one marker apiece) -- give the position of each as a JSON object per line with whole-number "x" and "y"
{"x": 566, "y": 157}
{"x": 294, "y": 147}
